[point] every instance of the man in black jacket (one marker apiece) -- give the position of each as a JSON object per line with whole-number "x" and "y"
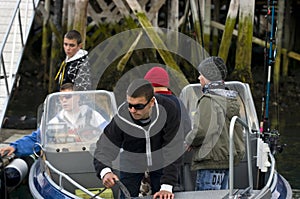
{"x": 145, "y": 134}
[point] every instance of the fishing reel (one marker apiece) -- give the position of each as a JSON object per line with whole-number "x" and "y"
{"x": 272, "y": 138}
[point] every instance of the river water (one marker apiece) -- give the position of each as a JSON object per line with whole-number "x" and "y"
{"x": 289, "y": 160}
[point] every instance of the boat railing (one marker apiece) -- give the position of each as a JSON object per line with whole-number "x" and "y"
{"x": 231, "y": 158}
{"x": 62, "y": 176}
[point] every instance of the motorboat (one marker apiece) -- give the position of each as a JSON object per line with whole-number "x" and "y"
{"x": 64, "y": 167}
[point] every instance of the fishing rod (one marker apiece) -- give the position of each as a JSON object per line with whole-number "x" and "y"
{"x": 269, "y": 61}
{"x": 269, "y": 136}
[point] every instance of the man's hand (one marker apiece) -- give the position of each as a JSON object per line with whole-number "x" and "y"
{"x": 109, "y": 180}
{"x": 187, "y": 147}
{"x": 163, "y": 195}
{"x": 8, "y": 149}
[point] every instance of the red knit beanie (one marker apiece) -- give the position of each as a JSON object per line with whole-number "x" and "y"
{"x": 158, "y": 77}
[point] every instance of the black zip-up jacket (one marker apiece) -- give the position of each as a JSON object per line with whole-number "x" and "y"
{"x": 155, "y": 145}
{"x": 76, "y": 70}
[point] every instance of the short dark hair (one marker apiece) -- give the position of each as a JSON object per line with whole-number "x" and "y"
{"x": 67, "y": 86}
{"x": 74, "y": 34}
{"x": 140, "y": 88}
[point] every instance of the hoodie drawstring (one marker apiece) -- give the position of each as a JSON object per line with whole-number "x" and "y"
{"x": 62, "y": 69}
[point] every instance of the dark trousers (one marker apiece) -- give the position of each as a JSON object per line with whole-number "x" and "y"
{"x": 132, "y": 182}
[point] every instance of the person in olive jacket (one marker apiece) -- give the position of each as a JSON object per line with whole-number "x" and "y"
{"x": 209, "y": 137}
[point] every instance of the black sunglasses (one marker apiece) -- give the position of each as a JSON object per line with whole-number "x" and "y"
{"x": 139, "y": 106}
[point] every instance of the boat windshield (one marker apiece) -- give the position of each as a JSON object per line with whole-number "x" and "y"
{"x": 73, "y": 120}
